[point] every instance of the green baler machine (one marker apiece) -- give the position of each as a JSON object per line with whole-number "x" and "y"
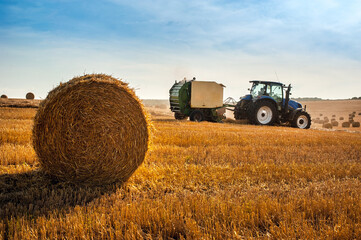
{"x": 198, "y": 100}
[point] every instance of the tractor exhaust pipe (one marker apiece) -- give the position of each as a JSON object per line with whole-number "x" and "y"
{"x": 285, "y": 107}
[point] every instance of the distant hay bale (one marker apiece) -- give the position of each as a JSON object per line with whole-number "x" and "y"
{"x": 92, "y": 129}
{"x": 334, "y": 123}
{"x": 359, "y": 113}
{"x": 333, "y": 119}
{"x": 326, "y": 120}
{"x": 321, "y": 114}
{"x": 345, "y": 124}
{"x": 341, "y": 118}
{"x": 327, "y": 125}
{"x": 4, "y": 96}
{"x": 30, "y": 96}
{"x": 356, "y": 124}
{"x": 351, "y": 120}
{"x": 333, "y": 116}
{"x": 321, "y": 121}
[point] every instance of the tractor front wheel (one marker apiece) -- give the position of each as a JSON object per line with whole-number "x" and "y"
{"x": 264, "y": 113}
{"x": 301, "y": 120}
{"x": 196, "y": 116}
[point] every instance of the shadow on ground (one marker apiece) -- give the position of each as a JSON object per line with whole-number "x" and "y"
{"x": 35, "y": 194}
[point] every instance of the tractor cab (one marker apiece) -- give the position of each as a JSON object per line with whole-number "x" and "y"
{"x": 265, "y": 89}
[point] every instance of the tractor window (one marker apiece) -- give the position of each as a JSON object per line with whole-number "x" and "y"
{"x": 276, "y": 92}
{"x": 258, "y": 89}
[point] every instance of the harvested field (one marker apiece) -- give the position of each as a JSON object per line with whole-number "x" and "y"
{"x": 19, "y": 103}
{"x": 340, "y": 108}
{"x": 199, "y": 181}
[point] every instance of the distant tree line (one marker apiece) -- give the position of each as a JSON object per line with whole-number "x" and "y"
{"x": 308, "y": 99}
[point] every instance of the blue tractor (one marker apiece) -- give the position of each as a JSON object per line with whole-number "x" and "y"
{"x": 269, "y": 103}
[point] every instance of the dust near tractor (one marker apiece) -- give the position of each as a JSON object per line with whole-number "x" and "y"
{"x": 268, "y": 103}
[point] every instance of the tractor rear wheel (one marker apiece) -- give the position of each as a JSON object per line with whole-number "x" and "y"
{"x": 264, "y": 113}
{"x": 196, "y": 116}
{"x": 301, "y": 120}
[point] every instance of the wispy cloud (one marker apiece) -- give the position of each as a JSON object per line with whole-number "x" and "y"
{"x": 152, "y": 43}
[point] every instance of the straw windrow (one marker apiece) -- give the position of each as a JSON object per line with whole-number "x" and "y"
{"x": 91, "y": 129}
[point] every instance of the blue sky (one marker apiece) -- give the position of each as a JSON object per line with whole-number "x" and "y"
{"x": 315, "y": 45}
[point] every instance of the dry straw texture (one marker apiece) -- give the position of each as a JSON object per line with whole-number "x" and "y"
{"x": 92, "y": 129}
{"x": 30, "y": 95}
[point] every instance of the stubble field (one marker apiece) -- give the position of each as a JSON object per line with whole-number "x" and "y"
{"x": 199, "y": 181}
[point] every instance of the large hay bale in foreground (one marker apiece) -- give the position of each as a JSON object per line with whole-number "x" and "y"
{"x": 4, "y": 96}
{"x": 92, "y": 129}
{"x": 30, "y": 96}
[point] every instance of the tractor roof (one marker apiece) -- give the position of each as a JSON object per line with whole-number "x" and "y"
{"x": 260, "y": 81}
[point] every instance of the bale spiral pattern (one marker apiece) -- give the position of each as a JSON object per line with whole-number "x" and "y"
{"x": 30, "y": 96}
{"x": 92, "y": 129}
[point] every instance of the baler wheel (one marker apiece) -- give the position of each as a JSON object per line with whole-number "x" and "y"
{"x": 196, "y": 116}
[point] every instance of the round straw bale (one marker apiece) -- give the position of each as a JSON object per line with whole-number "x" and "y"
{"x": 334, "y": 123}
{"x": 333, "y": 119}
{"x": 92, "y": 129}
{"x": 327, "y": 125}
{"x": 341, "y": 118}
{"x": 333, "y": 116}
{"x": 4, "y": 96}
{"x": 359, "y": 113}
{"x": 356, "y": 124}
{"x": 345, "y": 124}
{"x": 326, "y": 120}
{"x": 321, "y": 114}
{"x": 351, "y": 120}
{"x": 321, "y": 122}
{"x": 30, "y": 96}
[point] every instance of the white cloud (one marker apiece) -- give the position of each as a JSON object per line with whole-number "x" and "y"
{"x": 231, "y": 44}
